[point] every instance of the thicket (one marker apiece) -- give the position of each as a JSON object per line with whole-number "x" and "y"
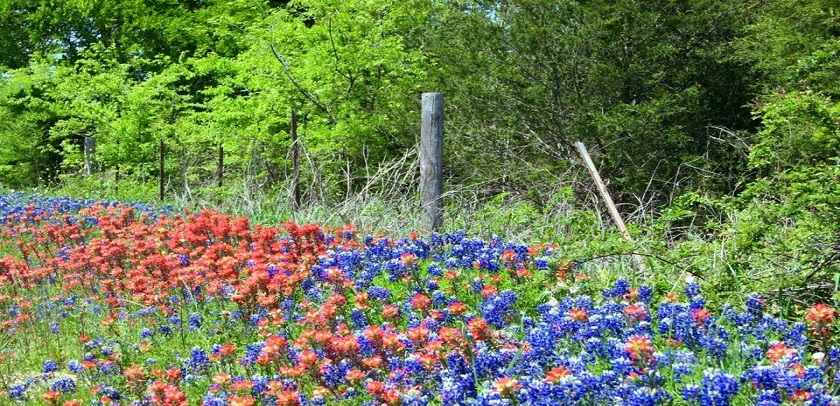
{"x": 715, "y": 122}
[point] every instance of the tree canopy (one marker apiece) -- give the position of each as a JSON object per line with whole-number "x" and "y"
{"x": 672, "y": 97}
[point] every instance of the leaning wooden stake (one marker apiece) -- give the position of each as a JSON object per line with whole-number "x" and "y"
{"x": 431, "y": 162}
{"x": 605, "y": 194}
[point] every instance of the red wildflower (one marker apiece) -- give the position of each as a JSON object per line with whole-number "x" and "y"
{"x": 227, "y": 350}
{"x": 308, "y": 359}
{"x": 418, "y": 334}
{"x": 390, "y": 311}
{"x": 639, "y": 347}
{"x": 51, "y": 396}
{"x": 222, "y": 379}
{"x": 288, "y": 398}
{"x": 242, "y": 386}
{"x": 778, "y": 351}
{"x": 636, "y": 312}
{"x": 820, "y": 316}
{"x": 420, "y": 301}
{"x": 372, "y": 362}
{"x": 174, "y": 374}
{"x": 408, "y": 259}
{"x": 354, "y": 376}
{"x": 479, "y": 329}
{"x": 457, "y": 308}
{"x": 523, "y": 273}
{"x": 242, "y": 401}
{"x": 135, "y": 374}
{"x": 700, "y": 316}
{"x": 505, "y": 387}
{"x": 800, "y": 396}
{"x": 578, "y": 315}
{"x": 557, "y": 374}
{"x": 375, "y": 387}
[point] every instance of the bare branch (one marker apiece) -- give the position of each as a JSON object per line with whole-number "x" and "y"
{"x": 314, "y": 99}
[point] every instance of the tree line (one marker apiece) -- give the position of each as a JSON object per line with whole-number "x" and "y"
{"x": 675, "y": 99}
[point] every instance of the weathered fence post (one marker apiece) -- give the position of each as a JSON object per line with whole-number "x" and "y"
{"x": 295, "y": 160}
{"x": 431, "y": 162}
{"x": 90, "y": 145}
{"x": 117, "y": 175}
{"x": 220, "y": 169}
{"x": 162, "y": 156}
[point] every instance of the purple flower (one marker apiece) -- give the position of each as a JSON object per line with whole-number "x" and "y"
{"x": 198, "y": 359}
{"x": 194, "y": 321}
{"x": 50, "y": 366}
{"x": 716, "y": 389}
{"x": 64, "y": 385}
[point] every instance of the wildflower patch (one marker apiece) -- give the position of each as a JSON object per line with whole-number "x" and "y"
{"x": 114, "y": 304}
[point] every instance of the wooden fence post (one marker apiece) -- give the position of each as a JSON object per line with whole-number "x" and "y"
{"x": 117, "y": 175}
{"x": 220, "y": 169}
{"x": 90, "y": 145}
{"x": 295, "y": 160}
{"x": 431, "y": 162}
{"x": 162, "y": 156}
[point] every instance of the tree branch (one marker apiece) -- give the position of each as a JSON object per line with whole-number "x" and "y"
{"x": 314, "y": 99}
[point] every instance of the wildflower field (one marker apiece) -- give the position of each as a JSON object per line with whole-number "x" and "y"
{"x": 111, "y": 304}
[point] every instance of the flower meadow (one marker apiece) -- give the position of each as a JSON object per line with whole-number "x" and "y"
{"x": 116, "y": 304}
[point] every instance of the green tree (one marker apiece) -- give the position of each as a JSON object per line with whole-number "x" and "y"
{"x": 648, "y": 86}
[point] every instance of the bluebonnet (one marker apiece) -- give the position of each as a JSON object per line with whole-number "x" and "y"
{"x": 434, "y": 270}
{"x": 768, "y": 398}
{"x": 252, "y": 351}
{"x": 379, "y": 293}
{"x": 194, "y": 320}
{"x": 165, "y": 330}
{"x": 107, "y": 350}
{"x": 75, "y": 366}
{"x": 645, "y": 294}
{"x": 50, "y": 366}
{"x": 110, "y": 392}
{"x": 214, "y": 399}
{"x": 64, "y": 385}
{"x": 755, "y": 306}
{"x": 198, "y": 359}
{"x": 645, "y": 396}
{"x": 716, "y": 388}
{"x": 797, "y": 335}
{"x": 18, "y": 390}
{"x": 697, "y": 302}
{"x": 146, "y": 333}
{"x": 358, "y": 319}
{"x": 107, "y": 367}
{"x": 477, "y": 285}
{"x": 692, "y": 289}
{"x": 498, "y": 309}
{"x": 619, "y": 289}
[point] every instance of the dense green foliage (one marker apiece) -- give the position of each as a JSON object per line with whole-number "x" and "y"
{"x": 719, "y": 119}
